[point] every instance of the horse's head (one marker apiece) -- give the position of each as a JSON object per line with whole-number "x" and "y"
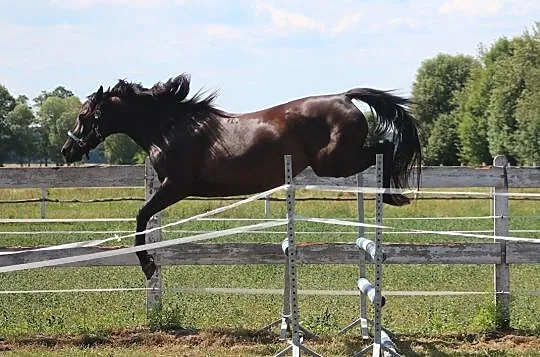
{"x": 105, "y": 113}
{"x": 90, "y": 129}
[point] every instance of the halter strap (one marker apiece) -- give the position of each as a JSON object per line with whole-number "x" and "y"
{"x": 95, "y": 129}
{"x": 75, "y": 138}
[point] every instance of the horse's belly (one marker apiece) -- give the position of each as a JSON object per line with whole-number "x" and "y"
{"x": 242, "y": 176}
{"x": 257, "y": 170}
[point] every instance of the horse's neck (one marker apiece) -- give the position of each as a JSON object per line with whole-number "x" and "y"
{"x": 142, "y": 133}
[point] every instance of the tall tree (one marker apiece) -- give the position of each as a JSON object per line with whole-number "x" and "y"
{"x": 527, "y": 136}
{"x": 443, "y": 142}
{"x": 472, "y": 127}
{"x": 59, "y": 91}
{"x": 7, "y": 103}
{"x": 513, "y": 116}
{"x": 56, "y": 115}
{"x": 121, "y": 150}
{"x": 20, "y": 121}
{"x": 438, "y": 81}
{"x": 436, "y": 92}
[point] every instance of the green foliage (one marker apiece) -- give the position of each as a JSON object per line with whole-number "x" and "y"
{"x": 508, "y": 85}
{"x": 7, "y": 103}
{"x": 57, "y": 115}
{"x": 527, "y": 135}
{"x": 472, "y": 126}
{"x": 120, "y": 149}
{"x": 59, "y": 91}
{"x": 166, "y": 318}
{"x": 19, "y": 121}
{"x": 515, "y": 92}
{"x": 437, "y": 83}
{"x": 486, "y": 318}
{"x": 442, "y": 146}
{"x": 495, "y": 103}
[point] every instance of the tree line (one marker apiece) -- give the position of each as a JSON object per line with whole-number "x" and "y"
{"x": 35, "y": 132}
{"x": 469, "y": 109}
{"x": 472, "y": 109}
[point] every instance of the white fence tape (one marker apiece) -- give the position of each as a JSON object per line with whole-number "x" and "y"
{"x": 92, "y": 243}
{"x": 260, "y": 291}
{"x": 148, "y": 246}
{"x": 354, "y": 189}
{"x": 253, "y": 232}
{"x": 64, "y": 220}
{"x": 423, "y": 231}
{"x": 225, "y": 219}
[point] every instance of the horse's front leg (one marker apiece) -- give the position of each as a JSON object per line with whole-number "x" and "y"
{"x": 170, "y": 192}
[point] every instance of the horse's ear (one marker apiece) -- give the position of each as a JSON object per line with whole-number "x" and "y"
{"x": 99, "y": 93}
{"x": 180, "y": 88}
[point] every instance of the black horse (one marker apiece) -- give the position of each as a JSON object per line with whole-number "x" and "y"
{"x": 199, "y": 150}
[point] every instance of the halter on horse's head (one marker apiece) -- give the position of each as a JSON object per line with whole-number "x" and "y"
{"x": 87, "y": 133}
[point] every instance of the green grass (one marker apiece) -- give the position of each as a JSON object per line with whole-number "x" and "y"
{"x": 71, "y": 314}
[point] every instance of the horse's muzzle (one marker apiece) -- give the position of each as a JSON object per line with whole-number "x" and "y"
{"x": 71, "y": 152}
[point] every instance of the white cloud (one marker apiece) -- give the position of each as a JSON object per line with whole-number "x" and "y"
{"x": 283, "y": 19}
{"x": 471, "y": 7}
{"x": 345, "y": 23}
{"x": 522, "y": 7}
{"x": 403, "y": 22}
{"x": 225, "y": 32}
{"x": 245, "y": 47}
{"x": 286, "y": 21}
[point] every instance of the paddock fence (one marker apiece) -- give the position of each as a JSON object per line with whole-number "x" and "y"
{"x": 500, "y": 252}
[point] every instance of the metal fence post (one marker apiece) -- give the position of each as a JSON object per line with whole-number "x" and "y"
{"x": 500, "y": 228}
{"x": 155, "y": 285}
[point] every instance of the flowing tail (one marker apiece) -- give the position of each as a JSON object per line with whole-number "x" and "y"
{"x": 394, "y": 119}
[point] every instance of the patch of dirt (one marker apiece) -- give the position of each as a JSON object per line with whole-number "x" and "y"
{"x": 219, "y": 338}
{"x": 471, "y": 343}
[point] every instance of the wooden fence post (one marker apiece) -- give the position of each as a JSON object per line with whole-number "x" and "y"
{"x": 153, "y": 296}
{"x": 43, "y": 205}
{"x": 500, "y": 228}
{"x": 267, "y": 205}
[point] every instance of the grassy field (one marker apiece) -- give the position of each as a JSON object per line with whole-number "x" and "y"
{"x": 101, "y": 316}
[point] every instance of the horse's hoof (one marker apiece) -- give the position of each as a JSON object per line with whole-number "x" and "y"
{"x": 396, "y": 200}
{"x": 149, "y": 268}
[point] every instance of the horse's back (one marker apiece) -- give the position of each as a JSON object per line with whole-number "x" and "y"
{"x": 248, "y": 157}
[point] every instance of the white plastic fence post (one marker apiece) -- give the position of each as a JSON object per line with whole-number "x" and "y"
{"x": 377, "y": 325}
{"x": 361, "y": 257}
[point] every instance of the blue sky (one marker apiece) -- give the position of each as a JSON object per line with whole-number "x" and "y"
{"x": 257, "y": 53}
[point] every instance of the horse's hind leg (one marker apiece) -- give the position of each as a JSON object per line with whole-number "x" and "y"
{"x": 345, "y": 160}
{"x": 165, "y": 196}
{"x": 395, "y": 199}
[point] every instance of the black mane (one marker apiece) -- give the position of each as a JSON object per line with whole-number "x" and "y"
{"x": 171, "y": 96}
{"x": 177, "y": 119}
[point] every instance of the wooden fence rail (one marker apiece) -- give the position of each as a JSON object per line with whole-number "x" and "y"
{"x": 308, "y": 253}
{"x": 133, "y": 176}
{"x": 500, "y": 177}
